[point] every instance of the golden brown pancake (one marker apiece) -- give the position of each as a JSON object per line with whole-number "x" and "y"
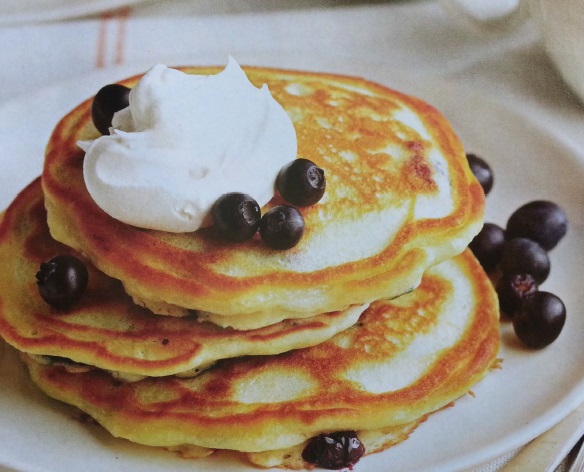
{"x": 400, "y": 198}
{"x": 374, "y": 440}
{"x": 106, "y": 329}
{"x": 404, "y": 359}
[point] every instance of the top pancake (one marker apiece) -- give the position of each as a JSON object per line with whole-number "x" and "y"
{"x": 400, "y": 198}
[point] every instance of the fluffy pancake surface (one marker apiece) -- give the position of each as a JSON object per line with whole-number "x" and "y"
{"x": 404, "y": 359}
{"x": 400, "y": 198}
{"x": 106, "y": 329}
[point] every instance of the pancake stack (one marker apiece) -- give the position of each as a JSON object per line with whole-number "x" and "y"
{"x": 376, "y": 319}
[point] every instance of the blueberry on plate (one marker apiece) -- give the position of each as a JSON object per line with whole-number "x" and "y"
{"x": 488, "y": 245}
{"x": 482, "y": 171}
{"x": 540, "y": 320}
{"x": 513, "y": 290}
{"x": 542, "y": 221}
{"x": 522, "y": 255}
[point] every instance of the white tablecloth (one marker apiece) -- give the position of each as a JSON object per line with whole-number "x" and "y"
{"x": 415, "y": 38}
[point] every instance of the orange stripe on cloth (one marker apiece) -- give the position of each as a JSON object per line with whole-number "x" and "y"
{"x": 111, "y": 50}
{"x": 102, "y": 42}
{"x": 121, "y": 39}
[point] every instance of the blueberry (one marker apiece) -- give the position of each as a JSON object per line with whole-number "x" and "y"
{"x": 541, "y": 220}
{"x": 540, "y": 320}
{"x": 62, "y": 281}
{"x": 334, "y": 451}
{"x": 301, "y": 182}
{"x": 482, "y": 171}
{"x": 512, "y": 290}
{"x": 282, "y": 227}
{"x": 487, "y": 245}
{"x": 107, "y": 102}
{"x": 236, "y": 216}
{"x": 522, "y": 255}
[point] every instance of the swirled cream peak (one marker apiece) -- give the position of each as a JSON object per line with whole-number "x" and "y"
{"x": 183, "y": 141}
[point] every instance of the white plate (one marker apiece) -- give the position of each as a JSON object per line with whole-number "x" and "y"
{"x": 28, "y": 11}
{"x": 533, "y": 391}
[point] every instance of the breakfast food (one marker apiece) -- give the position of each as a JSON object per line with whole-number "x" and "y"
{"x": 399, "y": 198}
{"x": 284, "y": 257}
{"x": 106, "y": 329}
{"x": 404, "y": 359}
{"x": 517, "y": 260}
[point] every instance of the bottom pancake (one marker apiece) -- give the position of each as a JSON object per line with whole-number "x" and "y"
{"x": 404, "y": 359}
{"x": 374, "y": 440}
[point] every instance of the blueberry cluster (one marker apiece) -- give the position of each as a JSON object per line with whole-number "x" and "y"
{"x": 519, "y": 256}
{"x": 237, "y": 216}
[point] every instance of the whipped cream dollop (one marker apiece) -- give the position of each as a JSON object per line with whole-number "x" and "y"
{"x": 184, "y": 141}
